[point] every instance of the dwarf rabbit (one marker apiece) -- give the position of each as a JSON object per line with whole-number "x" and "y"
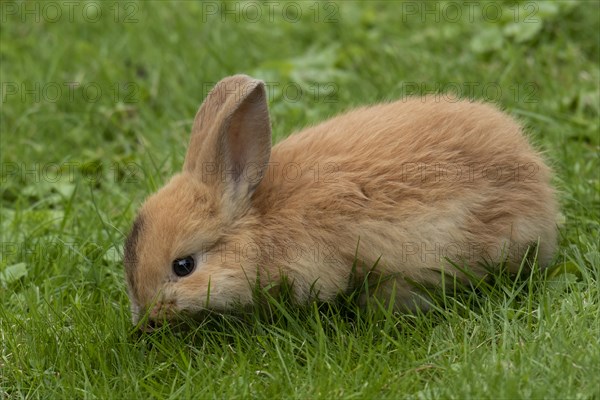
{"x": 413, "y": 188}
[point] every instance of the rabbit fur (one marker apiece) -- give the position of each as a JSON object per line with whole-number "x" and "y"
{"x": 413, "y": 187}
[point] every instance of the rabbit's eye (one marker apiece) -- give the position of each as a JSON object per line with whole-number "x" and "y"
{"x": 184, "y": 266}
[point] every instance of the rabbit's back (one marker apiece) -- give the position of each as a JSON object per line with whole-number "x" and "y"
{"x": 414, "y": 182}
{"x": 427, "y": 130}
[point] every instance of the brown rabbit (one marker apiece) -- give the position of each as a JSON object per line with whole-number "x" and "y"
{"x": 414, "y": 187}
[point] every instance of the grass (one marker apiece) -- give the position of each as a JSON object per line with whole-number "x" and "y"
{"x": 76, "y": 162}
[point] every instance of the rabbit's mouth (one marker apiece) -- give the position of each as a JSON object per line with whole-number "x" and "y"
{"x": 174, "y": 325}
{"x": 176, "y": 320}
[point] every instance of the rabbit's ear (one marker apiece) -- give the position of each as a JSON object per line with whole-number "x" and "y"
{"x": 231, "y": 138}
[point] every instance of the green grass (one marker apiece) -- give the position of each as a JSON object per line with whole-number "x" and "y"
{"x": 75, "y": 168}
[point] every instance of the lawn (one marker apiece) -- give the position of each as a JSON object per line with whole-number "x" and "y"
{"x": 98, "y": 100}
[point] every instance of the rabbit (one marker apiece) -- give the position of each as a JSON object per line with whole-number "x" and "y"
{"x": 405, "y": 190}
